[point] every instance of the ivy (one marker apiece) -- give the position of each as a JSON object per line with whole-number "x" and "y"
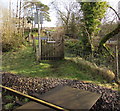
{"x": 93, "y": 12}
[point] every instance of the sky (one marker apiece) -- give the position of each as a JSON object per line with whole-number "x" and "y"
{"x": 4, "y": 3}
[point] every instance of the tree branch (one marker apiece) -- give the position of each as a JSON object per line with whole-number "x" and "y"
{"x": 111, "y": 34}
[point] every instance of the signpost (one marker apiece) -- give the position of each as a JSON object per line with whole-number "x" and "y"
{"x": 38, "y": 19}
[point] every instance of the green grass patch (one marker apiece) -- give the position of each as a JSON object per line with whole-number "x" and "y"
{"x": 23, "y": 62}
{"x": 9, "y": 97}
{"x": 9, "y": 106}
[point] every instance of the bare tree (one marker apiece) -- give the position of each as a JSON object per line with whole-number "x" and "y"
{"x": 69, "y": 15}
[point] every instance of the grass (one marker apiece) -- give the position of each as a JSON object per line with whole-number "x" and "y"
{"x": 9, "y": 106}
{"x": 9, "y": 97}
{"x": 23, "y": 62}
{"x": 25, "y": 100}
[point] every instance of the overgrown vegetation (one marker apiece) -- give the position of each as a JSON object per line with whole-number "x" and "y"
{"x": 11, "y": 101}
{"x": 93, "y": 12}
{"x": 75, "y": 48}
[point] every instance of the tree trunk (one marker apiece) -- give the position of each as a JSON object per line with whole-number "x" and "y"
{"x": 108, "y": 36}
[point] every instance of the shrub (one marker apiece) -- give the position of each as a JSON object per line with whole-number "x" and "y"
{"x": 10, "y": 42}
{"x": 74, "y": 46}
{"x": 11, "y": 37}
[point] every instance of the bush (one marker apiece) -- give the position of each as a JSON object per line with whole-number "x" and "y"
{"x": 74, "y": 46}
{"x": 10, "y": 34}
{"x": 6, "y": 47}
{"x": 12, "y": 41}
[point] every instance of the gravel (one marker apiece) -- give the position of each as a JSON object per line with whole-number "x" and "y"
{"x": 110, "y": 100}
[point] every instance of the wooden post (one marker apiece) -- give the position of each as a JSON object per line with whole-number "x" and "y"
{"x": 23, "y": 26}
{"x": 29, "y": 37}
{"x": 118, "y": 60}
{"x": 117, "y": 65}
{"x": 39, "y": 39}
{"x": 118, "y": 44}
{"x": 119, "y": 55}
{"x": 119, "y": 41}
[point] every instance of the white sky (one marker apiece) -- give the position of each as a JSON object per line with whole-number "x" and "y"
{"x": 4, "y": 3}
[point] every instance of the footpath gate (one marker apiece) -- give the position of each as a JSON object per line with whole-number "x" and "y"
{"x": 51, "y": 48}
